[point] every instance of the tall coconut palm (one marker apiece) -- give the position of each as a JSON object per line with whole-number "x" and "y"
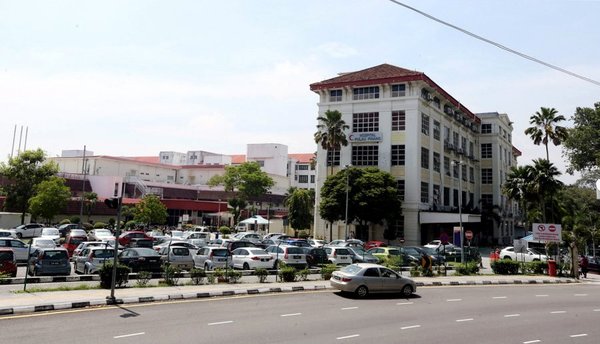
{"x": 545, "y": 128}
{"x": 545, "y": 184}
{"x": 330, "y": 133}
{"x": 518, "y": 187}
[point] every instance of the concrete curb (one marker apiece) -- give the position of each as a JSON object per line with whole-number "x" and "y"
{"x": 253, "y": 291}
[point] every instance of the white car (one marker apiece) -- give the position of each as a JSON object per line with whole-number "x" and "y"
{"x": 100, "y": 234}
{"x": 50, "y": 233}
{"x": 338, "y": 255}
{"x": 29, "y": 230}
{"x": 42, "y": 243}
{"x": 288, "y": 254}
{"x": 20, "y": 249}
{"x": 316, "y": 243}
{"x": 210, "y": 257}
{"x": 531, "y": 255}
{"x": 178, "y": 256}
{"x": 87, "y": 244}
{"x": 92, "y": 258}
{"x": 8, "y": 233}
{"x": 251, "y": 258}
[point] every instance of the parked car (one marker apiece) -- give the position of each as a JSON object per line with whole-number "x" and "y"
{"x": 593, "y": 263}
{"x": 77, "y": 232}
{"x": 177, "y": 235}
{"x": 125, "y": 238}
{"x": 296, "y": 242}
{"x": 437, "y": 245}
{"x": 50, "y": 233}
{"x": 8, "y": 233}
{"x": 92, "y": 258}
{"x": 315, "y": 256}
{"x": 178, "y": 256}
{"x": 49, "y": 261}
{"x": 42, "y": 243}
{"x": 248, "y": 236}
{"x": 437, "y": 257}
{"x": 288, "y": 254}
{"x": 141, "y": 242}
{"x": 100, "y": 234}
{"x": 20, "y": 248}
{"x": 251, "y": 258}
{"x": 232, "y": 245}
{"x": 210, "y": 257}
{"x": 360, "y": 255}
{"x": 384, "y": 253}
{"x": 316, "y": 243}
{"x": 363, "y": 279}
{"x": 8, "y": 262}
{"x": 66, "y": 228}
{"x": 272, "y": 235}
{"x": 338, "y": 255}
{"x": 374, "y": 243}
{"x": 28, "y": 230}
{"x": 85, "y": 244}
{"x": 141, "y": 259}
{"x": 72, "y": 242}
{"x": 531, "y": 255}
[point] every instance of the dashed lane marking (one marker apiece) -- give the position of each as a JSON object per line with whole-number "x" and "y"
{"x": 499, "y": 297}
{"x": 220, "y": 323}
{"x": 349, "y": 308}
{"x": 558, "y": 312}
{"x": 453, "y": 300}
{"x": 532, "y": 341}
{"x": 404, "y": 303}
{"x": 512, "y": 315}
{"x": 129, "y": 335}
{"x": 578, "y": 335}
{"x": 347, "y": 337}
{"x": 464, "y": 320}
{"x": 291, "y": 314}
{"x": 409, "y": 327}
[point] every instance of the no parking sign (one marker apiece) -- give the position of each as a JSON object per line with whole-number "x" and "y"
{"x": 548, "y": 232}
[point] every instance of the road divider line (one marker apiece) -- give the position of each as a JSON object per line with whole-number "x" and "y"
{"x": 220, "y": 323}
{"x": 463, "y": 320}
{"x": 512, "y": 315}
{"x": 404, "y": 303}
{"x": 291, "y": 314}
{"x": 581, "y": 295}
{"x": 499, "y": 297}
{"x": 558, "y": 312}
{"x": 542, "y": 295}
{"x": 347, "y": 337}
{"x": 532, "y": 341}
{"x": 349, "y": 308}
{"x": 578, "y": 335}
{"x": 453, "y": 300}
{"x": 129, "y": 335}
{"x": 597, "y": 310}
{"x": 409, "y": 327}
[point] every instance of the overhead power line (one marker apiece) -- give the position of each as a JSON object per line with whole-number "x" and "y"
{"x": 498, "y": 45}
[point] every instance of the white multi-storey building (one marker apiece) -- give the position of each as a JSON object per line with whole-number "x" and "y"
{"x": 402, "y": 122}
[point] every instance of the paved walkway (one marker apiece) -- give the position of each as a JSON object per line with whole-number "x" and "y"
{"x": 17, "y": 303}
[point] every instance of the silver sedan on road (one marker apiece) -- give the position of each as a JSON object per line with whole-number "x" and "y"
{"x": 364, "y": 278}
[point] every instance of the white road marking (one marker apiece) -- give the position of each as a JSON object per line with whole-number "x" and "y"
{"x": 409, "y": 327}
{"x": 558, "y": 312}
{"x": 348, "y": 308}
{"x": 453, "y": 300}
{"x": 542, "y": 295}
{"x": 578, "y": 335}
{"x": 129, "y": 335}
{"x": 581, "y": 295}
{"x": 220, "y": 323}
{"x": 499, "y": 297}
{"x": 532, "y": 341}
{"x": 512, "y": 315}
{"x": 350, "y": 336}
{"x": 291, "y": 314}
{"x": 597, "y": 310}
{"x": 463, "y": 320}
{"x": 404, "y": 303}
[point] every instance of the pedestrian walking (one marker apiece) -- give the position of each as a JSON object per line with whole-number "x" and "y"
{"x": 583, "y": 265}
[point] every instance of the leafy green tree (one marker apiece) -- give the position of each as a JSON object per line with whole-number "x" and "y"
{"x": 545, "y": 185}
{"x": 236, "y": 205}
{"x": 545, "y": 128}
{"x": 330, "y": 133}
{"x": 90, "y": 201}
{"x": 518, "y": 187}
{"x": 582, "y": 146}
{"x": 50, "y": 199}
{"x": 300, "y": 205}
{"x": 150, "y": 210}
{"x": 24, "y": 173}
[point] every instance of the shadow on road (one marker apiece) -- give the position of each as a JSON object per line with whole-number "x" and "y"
{"x": 129, "y": 313}
{"x": 381, "y": 296}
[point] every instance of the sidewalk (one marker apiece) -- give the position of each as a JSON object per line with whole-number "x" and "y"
{"x": 19, "y": 303}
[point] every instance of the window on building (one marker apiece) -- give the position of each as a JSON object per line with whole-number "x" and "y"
{"x": 455, "y": 170}
{"x": 424, "y": 192}
{"x": 447, "y": 165}
{"x": 436, "y": 102}
{"x": 398, "y": 155}
{"x": 446, "y": 134}
{"x": 455, "y": 139}
{"x": 365, "y": 155}
{"x": 446, "y": 197}
{"x": 486, "y": 150}
{"x": 365, "y": 93}
{"x": 436, "y": 130}
{"x": 424, "y": 124}
{"x": 336, "y": 158}
{"x": 471, "y": 175}
{"x": 436, "y": 194}
{"x": 399, "y": 226}
{"x": 312, "y": 179}
{"x": 455, "y": 197}
{"x": 471, "y": 153}
{"x": 424, "y": 157}
{"x": 399, "y": 90}
{"x": 303, "y": 179}
{"x": 486, "y": 176}
{"x": 464, "y": 172}
{"x": 436, "y": 162}
{"x": 302, "y": 167}
{"x": 261, "y": 163}
{"x": 487, "y": 200}
{"x": 486, "y": 128}
{"x": 398, "y": 121}
{"x": 400, "y": 187}
{"x": 365, "y": 122}
{"x": 335, "y": 95}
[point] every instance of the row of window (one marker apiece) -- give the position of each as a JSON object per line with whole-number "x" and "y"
{"x": 444, "y": 198}
{"x": 371, "y": 92}
{"x": 303, "y": 179}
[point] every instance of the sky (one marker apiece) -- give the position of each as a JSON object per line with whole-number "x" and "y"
{"x": 132, "y": 78}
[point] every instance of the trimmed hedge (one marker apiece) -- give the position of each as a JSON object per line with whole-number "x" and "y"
{"x": 505, "y": 267}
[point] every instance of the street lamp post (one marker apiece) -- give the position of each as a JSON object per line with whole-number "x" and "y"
{"x": 347, "y": 187}
{"x": 219, "y": 215}
{"x": 462, "y": 246}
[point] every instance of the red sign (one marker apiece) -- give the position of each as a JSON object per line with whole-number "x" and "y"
{"x": 469, "y": 235}
{"x": 552, "y": 228}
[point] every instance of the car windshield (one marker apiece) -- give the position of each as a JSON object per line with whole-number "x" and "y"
{"x": 536, "y": 251}
{"x": 104, "y": 253}
{"x": 147, "y": 252}
{"x": 55, "y": 255}
{"x": 394, "y": 252}
{"x": 257, "y": 251}
{"x": 359, "y": 251}
{"x": 295, "y": 250}
{"x": 220, "y": 253}
{"x": 44, "y": 242}
{"x": 77, "y": 232}
{"x": 351, "y": 269}
{"x": 49, "y": 231}
{"x": 103, "y": 232}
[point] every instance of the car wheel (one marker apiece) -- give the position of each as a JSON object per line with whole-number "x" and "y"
{"x": 507, "y": 257}
{"x": 206, "y": 267}
{"x": 19, "y": 235}
{"x": 407, "y": 290}
{"x": 246, "y": 266}
{"x": 362, "y": 291}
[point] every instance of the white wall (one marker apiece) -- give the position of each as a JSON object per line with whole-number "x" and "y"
{"x": 273, "y": 155}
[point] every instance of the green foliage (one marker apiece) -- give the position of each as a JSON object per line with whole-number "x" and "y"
{"x": 90, "y": 201}
{"x": 582, "y": 145}
{"x": 469, "y": 268}
{"x": 415, "y": 271}
{"x": 50, "y": 199}
{"x": 143, "y": 278}
{"x": 327, "y": 270}
{"x": 300, "y": 206}
{"x": 545, "y": 128}
{"x": 233, "y": 276}
{"x": 171, "y": 274}
{"x": 197, "y": 276}
{"x": 287, "y": 274}
{"x": 393, "y": 262}
{"x": 248, "y": 179}
{"x": 64, "y": 222}
{"x": 150, "y": 210}
{"x": 111, "y": 223}
{"x": 87, "y": 226}
{"x": 105, "y": 272}
{"x": 224, "y": 230}
{"x": 303, "y": 274}
{"x": 210, "y": 278}
{"x": 262, "y": 274}
{"x": 130, "y": 224}
{"x": 505, "y": 267}
{"x": 100, "y": 225}
{"x": 219, "y": 274}
{"x": 24, "y": 173}
{"x": 74, "y": 219}
{"x": 331, "y": 133}
{"x": 536, "y": 267}
{"x": 303, "y": 234}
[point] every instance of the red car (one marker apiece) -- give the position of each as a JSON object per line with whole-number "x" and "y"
{"x": 374, "y": 243}
{"x": 125, "y": 238}
{"x": 8, "y": 262}
{"x": 72, "y": 241}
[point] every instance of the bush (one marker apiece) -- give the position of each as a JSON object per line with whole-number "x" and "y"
{"x": 87, "y": 226}
{"x": 303, "y": 274}
{"x": 536, "y": 267}
{"x": 197, "y": 276}
{"x": 469, "y": 268}
{"x": 505, "y": 267}
{"x": 105, "y": 272}
{"x": 99, "y": 225}
{"x": 74, "y": 219}
{"x": 111, "y": 222}
{"x": 172, "y": 274}
{"x": 415, "y": 271}
{"x": 327, "y": 270}
{"x": 219, "y": 275}
{"x": 262, "y": 274}
{"x": 233, "y": 276}
{"x": 143, "y": 278}
{"x": 224, "y": 230}
{"x": 303, "y": 234}
{"x": 393, "y": 262}
{"x": 64, "y": 222}
{"x": 287, "y": 274}
{"x": 130, "y": 224}
{"x": 210, "y": 278}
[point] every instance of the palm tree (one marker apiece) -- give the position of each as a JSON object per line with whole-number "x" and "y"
{"x": 330, "y": 133}
{"x": 518, "y": 186}
{"x": 545, "y": 128}
{"x": 544, "y": 184}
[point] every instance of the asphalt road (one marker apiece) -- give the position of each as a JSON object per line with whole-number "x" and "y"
{"x": 481, "y": 314}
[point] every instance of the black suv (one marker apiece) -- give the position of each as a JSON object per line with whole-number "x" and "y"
{"x": 232, "y": 245}
{"x": 315, "y": 256}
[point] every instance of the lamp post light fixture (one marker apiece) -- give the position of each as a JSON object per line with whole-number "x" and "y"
{"x": 347, "y": 187}
{"x": 462, "y": 246}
